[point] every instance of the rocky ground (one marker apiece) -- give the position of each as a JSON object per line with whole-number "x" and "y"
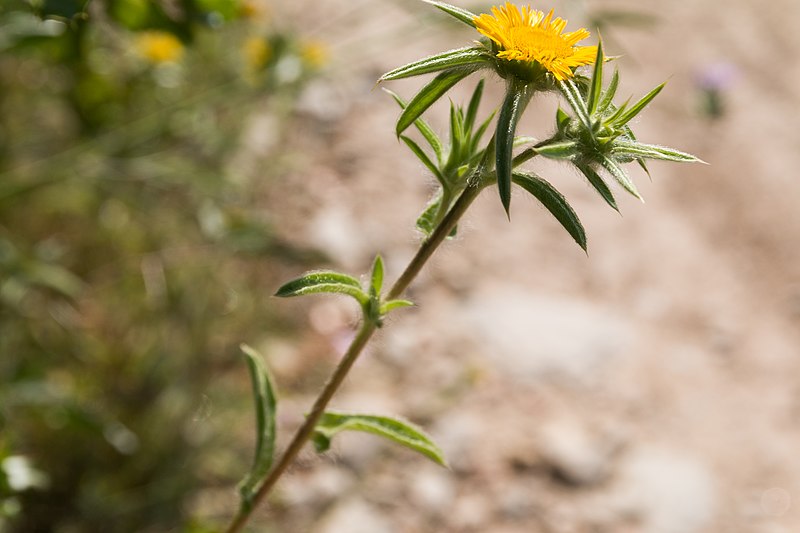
{"x": 651, "y": 387}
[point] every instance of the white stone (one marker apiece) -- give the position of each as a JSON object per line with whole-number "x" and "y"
{"x": 530, "y": 336}
{"x": 432, "y": 490}
{"x": 354, "y": 515}
{"x": 667, "y": 492}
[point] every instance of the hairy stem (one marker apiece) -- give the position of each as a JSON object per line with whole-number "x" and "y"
{"x": 363, "y": 336}
{"x": 432, "y": 243}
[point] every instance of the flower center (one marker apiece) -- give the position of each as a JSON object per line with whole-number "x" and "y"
{"x": 538, "y": 43}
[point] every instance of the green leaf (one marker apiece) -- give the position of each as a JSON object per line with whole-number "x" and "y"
{"x": 422, "y": 156}
{"x": 323, "y": 281}
{"x": 599, "y": 185}
{"x": 428, "y": 95}
{"x": 54, "y": 277}
{"x": 522, "y": 140}
{"x": 517, "y": 97}
{"x": 611, "y": 119}
{"x": 575, "y": 100}
{"x": 555, "y": 202}
{"x": 611, "y": 90}
{"x": 456, "y": 135}
{"x": 652, "y": 151}
{"x": 562, "y": 120}
{"x": 266, "y": 407}
{"x": 618, "y": 174}
{"x": 376, "y": 282}
{"x": 426, "y": 222}
{"x": 636, "y": 108}
{"x": 560, "y": 150}
{"x": 399, "y": 431}
{"x": 470, "y": 57}
{"x": 474, "y": 103}
{"x": 476, "y": 137}
{"x": 596, "y": 84}
{"x": 391, "y": 305}
{"x": 423, "y": 127}
{"x": 461, "y": 14}
{"x": 629, "y": 133}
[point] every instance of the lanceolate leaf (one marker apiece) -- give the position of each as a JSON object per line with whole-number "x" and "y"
{"x": 456, "y": 134}
{"x": 629, "y": 133}
{"x": 575, "y": 100}
{"x": 428, "y": 95}
{"x": 555, "y": 202}
{"x": 480, "y": 131}
{"x": 560, "y": 150}
{"x": 638, "y": 106}
{"x": 422, "y": 156}
{"x": 599, "y": 185}
{"x": 596, "y": 84}
{"x": 617, "y": 112}
{"x": 469, "y": 57}
{"x": 266, "y": 405}
{"x": 461, "y": 14}
{"x": 474, "y": 102}
{"x": 611, "y": 90}
{"x": 399, "y": 431}
{"x": 423, "y": 127}
{"x": 620, "y": 175}
{"x": 323, "y": 281}
{"x": 562, "y": 119}
{"x": 376, "y": 281}
{"x": 391, "y": 305}
{"x": 426, "y": 222}
{"x": 517, "y": 97}
{"x": 522, "y": 140}
{"x": 651, "y": 151}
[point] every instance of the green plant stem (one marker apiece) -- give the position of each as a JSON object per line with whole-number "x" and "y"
{"x": 436, "y": 238}
{"x": 363, "y": 336}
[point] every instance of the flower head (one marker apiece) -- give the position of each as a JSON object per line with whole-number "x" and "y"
{"x": 253, "y": 10}
{"x": 159, "y": 46}
{"x": 599, "y": 136}
{"x": 531, "y": 37}
{"x": 257, "y": 52}
{"x": 314, "y": 54}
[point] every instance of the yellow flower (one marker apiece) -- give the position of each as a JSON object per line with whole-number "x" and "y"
{"x": 159, "y": 46}
{"x": 251, "y": 9}
{"x": 314, "y": 54}
{"x": 530, "y": 36}
{"x": 257, "y": 52}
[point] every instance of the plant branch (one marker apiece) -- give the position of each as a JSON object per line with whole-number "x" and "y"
{"x": 436, "y": 238}
{"x": 363, "y": 336}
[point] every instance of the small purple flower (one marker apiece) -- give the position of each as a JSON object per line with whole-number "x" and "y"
{"x": 717, "y": 76}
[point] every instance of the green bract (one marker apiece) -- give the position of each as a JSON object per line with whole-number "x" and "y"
{"x": 598, "y": 135}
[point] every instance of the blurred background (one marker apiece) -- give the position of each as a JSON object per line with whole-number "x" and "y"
{"x": 165, "y": 165}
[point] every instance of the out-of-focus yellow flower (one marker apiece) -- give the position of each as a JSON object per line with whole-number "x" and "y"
{"x": 530, "y": 36}
{"x": 314, "y": 54}
{"x": 252, "y": 9}
{"x": 159, "y": 46}
{"x": 256, "y": 51}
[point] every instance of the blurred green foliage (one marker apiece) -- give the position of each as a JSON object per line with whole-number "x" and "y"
{"x": 128, "y": 230}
